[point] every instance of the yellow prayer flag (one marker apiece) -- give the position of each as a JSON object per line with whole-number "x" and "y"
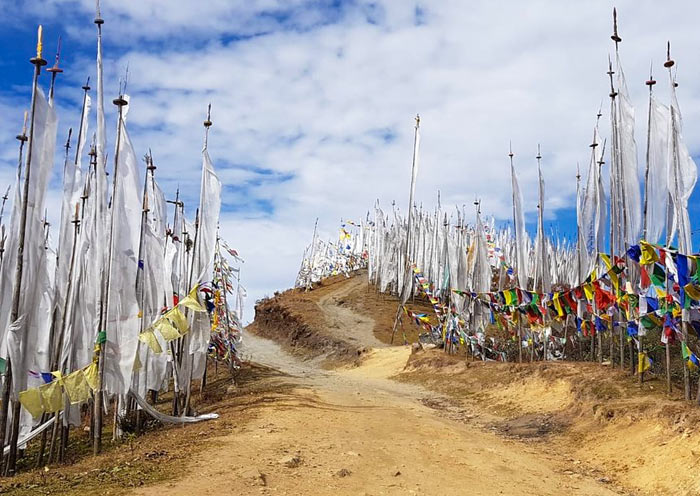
{"x": 167, "y": 330}
{"x": 643, "y": 363}
{"x": 192, "y": 303}
{"x": 506, "y": 296}
{"x": 649, "y": 255}
{"x": 615, "y": 281}
{"x": 148, "y": 337}
{"x": 606, "y": 260}
{"x": 588, "y": 289}
{"x": 557, "y": 305}
{"x": 92, "y": 376}
{"x": 59, "y": 377}
{"x": 179, "y": 320}
{"x": 77, "y": 387}
{"x": 52, "y": 397}
{"x": 31, "y": 401}
{"x": 692, "y": 291}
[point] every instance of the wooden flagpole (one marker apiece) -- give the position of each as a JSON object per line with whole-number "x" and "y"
{"x": 55, "y": 346}
{"x": 614, "y": 193}
{"x": 196, "y": 255}
{"x": 407, "y": 265}
{"x": 517, "y": 269}
{"x": 669, "y": 235}
{"x": 676, "y": 165}
{"x": 601, "y": 162}
{"x": 22, "y": 138}
{"x": 99, "y": 395}
{"x": 38, "y": 62}
{"x": 650, "y": 83}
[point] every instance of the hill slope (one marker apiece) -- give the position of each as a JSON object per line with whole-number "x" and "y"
{"x": 598, "y": 421}
{"x": 330, "y": 408}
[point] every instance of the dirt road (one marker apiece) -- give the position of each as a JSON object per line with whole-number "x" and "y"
{"x": 355, "y": 431}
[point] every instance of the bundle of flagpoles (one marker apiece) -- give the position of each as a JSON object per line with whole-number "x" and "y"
{"x": 625, "y": 289}
{"x": 127, "y": 305}
{"x": 324, "y": 259}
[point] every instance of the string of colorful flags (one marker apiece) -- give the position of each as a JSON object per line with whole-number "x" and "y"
{"x": 669, "y": 284}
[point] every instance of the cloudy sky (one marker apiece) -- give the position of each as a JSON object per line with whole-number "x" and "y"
{"x": 313, "y": 101}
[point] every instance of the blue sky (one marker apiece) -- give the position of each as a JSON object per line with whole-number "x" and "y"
{"x": 313, "y": 101}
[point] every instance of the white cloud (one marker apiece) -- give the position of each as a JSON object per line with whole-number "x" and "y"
{"x": 322, "y": 100}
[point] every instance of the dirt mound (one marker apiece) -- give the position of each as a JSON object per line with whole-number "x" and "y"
{"x": 284, "y": 320}
{"x": 340, "y": 317}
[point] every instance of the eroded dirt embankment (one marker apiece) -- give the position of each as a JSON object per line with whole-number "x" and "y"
{"x": 283, "y": 321}
{"x": 340, "y": 318}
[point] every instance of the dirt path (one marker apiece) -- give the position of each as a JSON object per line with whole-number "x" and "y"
{"x": 346, "y": 323}
{"x": 355, "y": 431}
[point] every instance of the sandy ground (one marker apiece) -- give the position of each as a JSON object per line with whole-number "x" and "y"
{"x": 355, "y": 431}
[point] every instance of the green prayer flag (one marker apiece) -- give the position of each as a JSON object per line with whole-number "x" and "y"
{"x": 647, "y": 322}
{"x": 658, "y": 276}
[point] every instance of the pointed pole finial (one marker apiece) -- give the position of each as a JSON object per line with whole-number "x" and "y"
{"x": 208, "y": 123}
{"x": 39, "y": 41}
{"x": 669, "y": 61}
{"x": 615, "y": 37}
{"x": 578, "y": 172}
{"x": 67, "y": 145}
{"x": 602, "y": 153}
{"x": 38, "y": 61}
{"x": 23, "y": 137}
{"x": 610, "y": 73}
{"x": 126, "y": 79}
{"x": 539, "y": 154}
{"x": 651, "y": 82}
{"x": 150, "y": 166}
{"x": 55, "y": 68}
{"x": 120, "y": 101}
{"x": 417, "y": 120}
{"x": 86, "y": 87}
{"x": 510, "y": 150}
{"x": 98, "y": 17}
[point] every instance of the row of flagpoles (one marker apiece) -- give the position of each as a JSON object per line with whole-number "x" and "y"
{"x": 548, "y": 294}
{"x": 127, "y": 304}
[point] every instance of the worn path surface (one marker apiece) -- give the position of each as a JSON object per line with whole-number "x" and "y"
{"x": 355, "y": 431}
